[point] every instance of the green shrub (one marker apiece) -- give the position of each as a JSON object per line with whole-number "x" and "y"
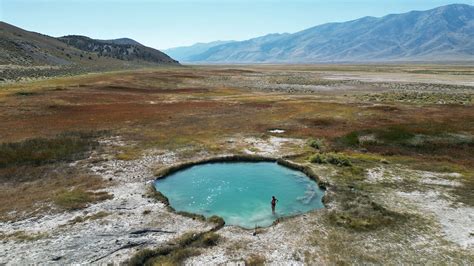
{"x": 317, "y": 144}
{"x": 338, "y": 159}
{"x": 318, "y": 158}
{"x": 350, "y": 140}
{"x": 331, "y": 158}
{"x": 394, "y": 134}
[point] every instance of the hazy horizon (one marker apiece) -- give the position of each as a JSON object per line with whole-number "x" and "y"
{"x": 165, "y": 24}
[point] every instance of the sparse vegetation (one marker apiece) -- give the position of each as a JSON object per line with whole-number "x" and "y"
{"x": 92, "y": 217}
{"x": 24, "y": 93}
{"x": 129, "y": 153}
{"x": 318, "y": 144}
{"x": 255, "y": 260}
{"x": 175, "y": 257}
{"x": 410, "y": 140}
{"x": 331, "y": 158}
{"x": 218, "y": 221}
{"x": 23, "y": 236}
{"x": 78, "y": 198}
{"x": 175, "y": 252}
{"x": 64, "y": 147}
{"x": 349, "y": 175}
{"x": 193, "y": 216}
{"x": 358, "y": 212}
{"x": 27, "y": 191}
{"x": 421, "y": 97}
{"x": 153, "y": 193}
{"x": 208, "y": 240}
{"x": 298, "y": 80}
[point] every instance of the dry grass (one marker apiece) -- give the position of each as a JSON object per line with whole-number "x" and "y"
{"x": 255, "y": 260}
{"x": 178, "y": 250}
{"x": 23, "y": 236}
{"x": 359, "y": 213}
{"x": 55, "y": 190}
{"x": 38, "y": 151}
{"x": 129, "y": 154}
{"x": 35, "y": 177}
{"x": 78, "y": 198}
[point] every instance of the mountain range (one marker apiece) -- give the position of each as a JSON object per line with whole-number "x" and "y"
{"x": 441, "y": 34}
{"x": 185, "y": 53}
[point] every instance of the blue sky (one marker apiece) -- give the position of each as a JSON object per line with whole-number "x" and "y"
{"x": 170, "y": 23}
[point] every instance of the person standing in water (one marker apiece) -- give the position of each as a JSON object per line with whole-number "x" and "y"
{"x": 274, "y": 202}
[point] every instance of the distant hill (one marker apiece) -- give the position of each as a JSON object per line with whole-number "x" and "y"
{"x": 122, "y": 41}
{"x": 442, "y": 34}
{"x": 122, "y": 49}
{"x": 184, "y": 53}
{"x": 24, "y": 48}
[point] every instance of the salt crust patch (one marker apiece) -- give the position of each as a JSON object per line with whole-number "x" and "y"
{"x": 269, "y": 147}
{"x": 457, "y": 221}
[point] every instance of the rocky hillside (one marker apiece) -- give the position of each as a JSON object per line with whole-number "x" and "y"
{"x": 442, "y": 34}
{"x": 122, "y": 49}
{"x": 23, "y": 48}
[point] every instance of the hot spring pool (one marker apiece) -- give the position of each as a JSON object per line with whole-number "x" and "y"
{"x": 240, "y": 192}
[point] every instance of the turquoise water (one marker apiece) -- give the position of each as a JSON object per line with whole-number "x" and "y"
{"x": 240, "y": 192}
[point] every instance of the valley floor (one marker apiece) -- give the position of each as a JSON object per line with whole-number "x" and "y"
{"x": 394, "y": 145}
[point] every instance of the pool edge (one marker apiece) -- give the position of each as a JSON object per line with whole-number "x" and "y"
{"x": 166, "y": 171}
